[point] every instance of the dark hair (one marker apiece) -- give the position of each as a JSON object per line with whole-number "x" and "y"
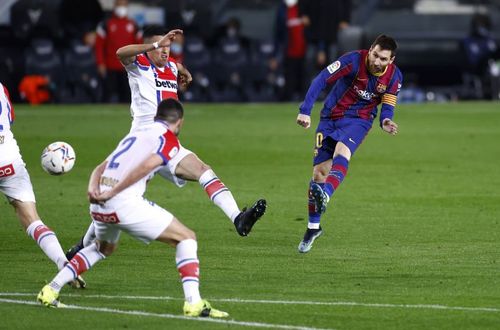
{"x": 386, "y": 43}
{"x": 154, "y": 30}
{"x": 169, "y": 110}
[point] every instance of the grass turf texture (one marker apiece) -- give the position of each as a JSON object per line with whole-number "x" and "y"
{"x": 415, "y": 222}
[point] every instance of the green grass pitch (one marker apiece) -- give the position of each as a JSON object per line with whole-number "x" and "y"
{"x": 412, "y": 236}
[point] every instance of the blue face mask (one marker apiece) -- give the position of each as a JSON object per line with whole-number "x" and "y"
{"x": 176, "y": 48}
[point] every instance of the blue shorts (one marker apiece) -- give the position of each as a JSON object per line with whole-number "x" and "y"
{"x": 349, "y": 131}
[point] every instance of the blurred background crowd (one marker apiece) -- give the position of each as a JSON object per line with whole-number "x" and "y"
{"x": 63, "y": 51}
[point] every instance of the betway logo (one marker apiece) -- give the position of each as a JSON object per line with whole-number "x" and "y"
{"x": 166, "y": 84}
{"x": 364, "y": 94}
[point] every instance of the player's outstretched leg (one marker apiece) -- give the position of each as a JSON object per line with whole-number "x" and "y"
{"x": 86, "y": 240}
{"x": 317, "y": 202}
{"x": 47, "y": 241}
{"x": 248, "y": 217}
{"x": 222, "y": 197}
{"x": 81, "y": 262}
{"x": 186, "y": 259}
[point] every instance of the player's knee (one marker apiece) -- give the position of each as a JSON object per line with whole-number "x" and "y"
{"x": 320, "y": 174}
{"x": 106, "y": 248}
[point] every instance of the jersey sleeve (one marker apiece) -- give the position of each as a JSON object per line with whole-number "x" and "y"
{"x": 389, "y": 98}
{"x": 140, "y": 63}
{"x": 329, "y": 75}
{"x": 10, "y": 109}
{"x": 168, "y": 146}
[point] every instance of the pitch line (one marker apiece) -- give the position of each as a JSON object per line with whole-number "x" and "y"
{"x": 167, "y": 316}
{"x": 284, "y": 302}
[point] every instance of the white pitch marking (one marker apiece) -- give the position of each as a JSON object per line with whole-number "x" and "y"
{"x": 284, "y": 302}
{"x": 167, "y": 316}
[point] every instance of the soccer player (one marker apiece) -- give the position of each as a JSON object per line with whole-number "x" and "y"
{"x": 153, "y": 76}
{"x": 15, "y": 184}
{"x": 361, "y": 81}
{"x": 115, "y": 191}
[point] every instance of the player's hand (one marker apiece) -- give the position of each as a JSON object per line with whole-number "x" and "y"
{"x": 185, "y": 79}
{"x": 92, "y": 195}
{"x": 169, "y": 37}
{"x": 389, "y": 126}
{"x": 304, "y": 120}
{"x": 104, "y": 197}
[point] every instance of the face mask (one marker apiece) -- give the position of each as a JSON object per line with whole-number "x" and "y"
{"x": 121, "y": 11}
{"x": 291, "y": 3}
{"x": 176, "y": 48}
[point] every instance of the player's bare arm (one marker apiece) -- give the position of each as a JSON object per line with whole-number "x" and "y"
{"x": 127, "y": 54}
{"x": 389, "y": 126}
{"x": 93, "y": 190}
{"x": 143, "y": 169}
{"x": 304, "y": 120}
{"x": 185, "y": 77}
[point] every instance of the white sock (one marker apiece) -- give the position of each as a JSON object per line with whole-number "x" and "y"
{"x": 188, "y": 265}
{"x": 219, "y": 194}
{"x": 81, "y": 262}
{"x": 89, "y": 237}
{"x": 47, "y": 241}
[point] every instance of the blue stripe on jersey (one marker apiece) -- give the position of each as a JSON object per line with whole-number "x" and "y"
{"x": 162, "y": 143}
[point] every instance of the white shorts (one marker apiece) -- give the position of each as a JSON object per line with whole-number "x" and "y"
{"x": 17, "y": 186}
{"x": 168, "y": 171}
{"x": 140, "y": 218}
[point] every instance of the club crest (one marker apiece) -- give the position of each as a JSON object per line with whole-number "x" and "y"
{"x": 381, "y": 88}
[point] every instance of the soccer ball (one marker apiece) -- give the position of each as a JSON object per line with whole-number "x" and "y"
{"x": 58, "y": 158}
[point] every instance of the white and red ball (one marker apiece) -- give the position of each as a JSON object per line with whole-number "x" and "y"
{"x": 58, "y": 158}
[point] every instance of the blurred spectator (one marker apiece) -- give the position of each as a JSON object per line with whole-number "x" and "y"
{"x": 35, "y": 89}
{"x": 194, "y": 17}
{"x": 78, "y": 18}
{"x": 113, "y": 33}
{"x": 177, "y": 48}
{"x": 480, "y": 48}
{"x": 291, "y": 47}
{"x": 327, "y": 17}
{"x": 35, "y": 19}
{"x": 231, "y": 30}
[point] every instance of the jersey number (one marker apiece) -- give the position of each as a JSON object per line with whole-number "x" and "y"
{"x": 127, "y": 143}
{"x": 319, "y": 140}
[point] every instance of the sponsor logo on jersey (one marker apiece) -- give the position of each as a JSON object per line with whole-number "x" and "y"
{"x": 173, "y": 152}
{"x": 7, "y": 170}
{"x": 333, "y": 67}
{"x": 105, "y": 217}
{"x": 365, "y": 95}
{"x": 166, "y": 84}
{"x": 381, "y": 88}
{"x": 107, "y": 181}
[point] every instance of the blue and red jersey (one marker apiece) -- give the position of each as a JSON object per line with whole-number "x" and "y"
{"x": 357, "y": 92}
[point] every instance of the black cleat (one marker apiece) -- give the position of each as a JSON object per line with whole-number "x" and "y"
{"x": 74, "y": 250}
{"x": 248, "y": 217}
